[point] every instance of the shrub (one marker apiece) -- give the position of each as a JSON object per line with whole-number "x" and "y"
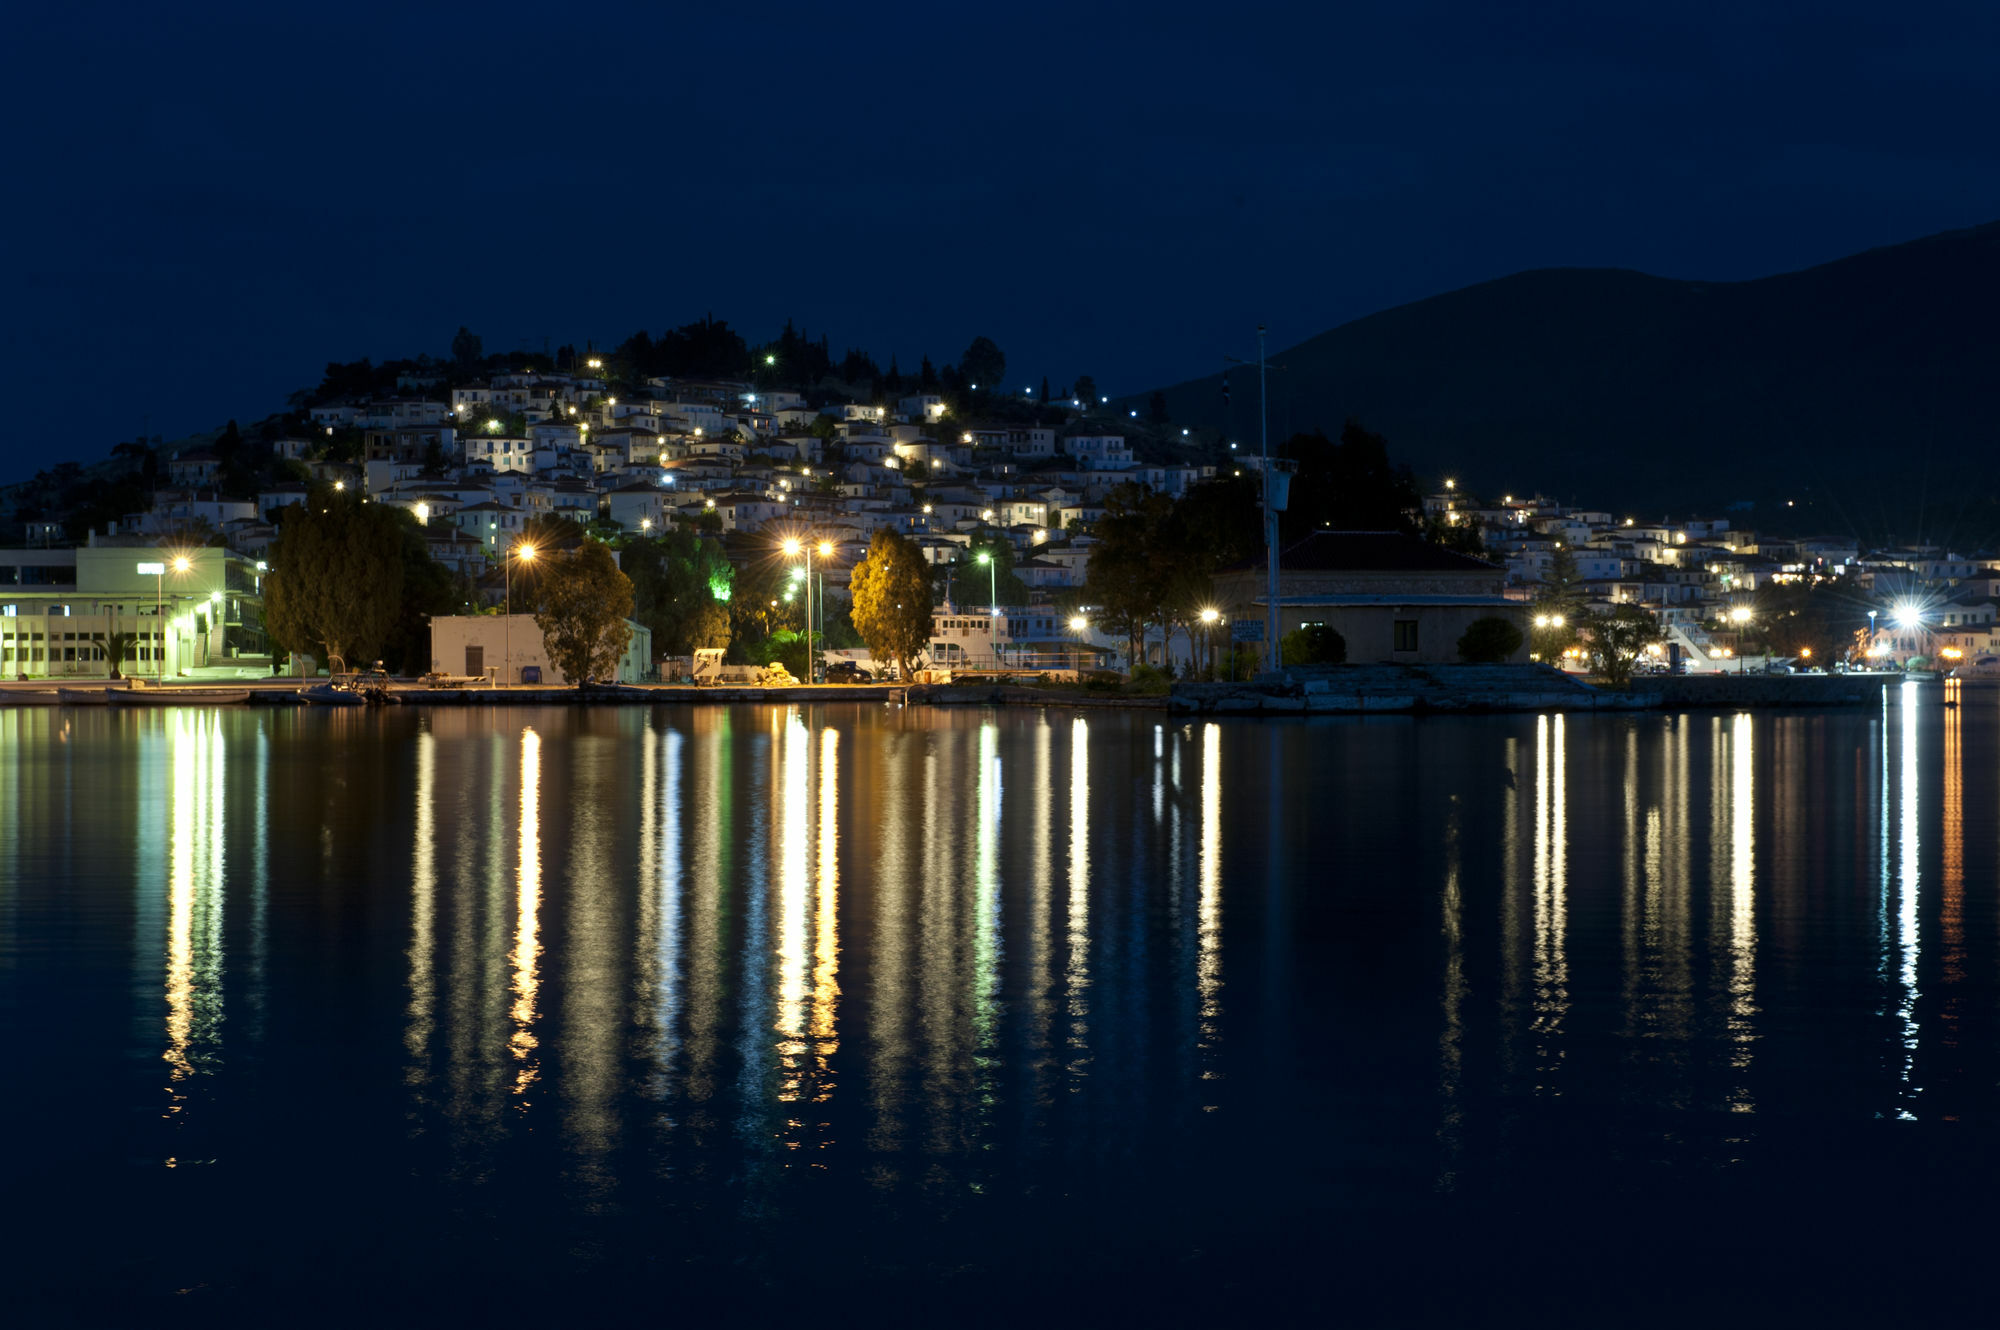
{"x": 1489, "y": 641}
{"x": 1314, "y": 644}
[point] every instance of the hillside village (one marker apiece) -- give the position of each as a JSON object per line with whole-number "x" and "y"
{"x": 477, "y": 456}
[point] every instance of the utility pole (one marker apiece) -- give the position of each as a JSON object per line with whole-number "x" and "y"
{"x": 1277, "y": 491}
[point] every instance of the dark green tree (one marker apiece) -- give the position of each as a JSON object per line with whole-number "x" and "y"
{"x": 983, "y": 365}
{"x": 1616, "y": 641}
{"x": 681, "y": 584}
{"x": 582, "y": 608}
{"x": 1086, "y": 390}
{"x": 336, "y": 582}
{"x": 466, "y": 349}
{"x": 1156, "y": 409}
{"x": 1314, "y": 644}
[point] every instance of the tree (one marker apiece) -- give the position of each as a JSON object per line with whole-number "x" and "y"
{"x": 1489, "y": 641}
{"x": 1558, "y": 607}
{"x": 892, "y": 600}
{"x": 336, "y": 580}
{"x": 681, "y": 584}
{"x": 1125, "y": 578}
{"x": 984, "y": 365}
{"x": 1156, "y": 409}
{"x": 117, "y": 646}
{"x": 1086, "y": 390}
{"x": 1617, "y": 639}
{"x": 466, "y": 348}
{"x": 996, "y": 577}
{"x": 1348, "y": 486}
{"x": 584, "y": 603}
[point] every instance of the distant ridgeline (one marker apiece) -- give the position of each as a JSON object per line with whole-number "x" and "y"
{"x": 1866, "y": 391}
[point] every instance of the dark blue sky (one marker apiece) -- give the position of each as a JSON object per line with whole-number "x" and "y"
{"x": 209, "y": 202}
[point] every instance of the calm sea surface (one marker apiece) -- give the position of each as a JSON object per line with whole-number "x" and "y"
{"x": 831, "y": 1011}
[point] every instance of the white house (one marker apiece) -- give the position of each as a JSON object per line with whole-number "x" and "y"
{"x": 508, "y": 649}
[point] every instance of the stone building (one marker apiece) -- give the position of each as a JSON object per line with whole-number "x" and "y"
{"x": 1394, "y": 598}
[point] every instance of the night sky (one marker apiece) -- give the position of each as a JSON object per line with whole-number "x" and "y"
{"x": 210, "y": 202}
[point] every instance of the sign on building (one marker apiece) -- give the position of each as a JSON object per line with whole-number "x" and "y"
{"x": 1246, "y": 630}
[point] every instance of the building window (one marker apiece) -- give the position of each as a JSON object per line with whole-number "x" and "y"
{"x": 1406, "y": 634}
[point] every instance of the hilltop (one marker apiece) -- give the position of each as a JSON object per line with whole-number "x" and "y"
{"x": 1866, "y": 387}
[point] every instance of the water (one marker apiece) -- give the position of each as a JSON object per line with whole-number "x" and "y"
{"x": 843, "y": 1010}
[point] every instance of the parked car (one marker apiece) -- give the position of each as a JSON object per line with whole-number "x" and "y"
{"x": 847, "y": 671}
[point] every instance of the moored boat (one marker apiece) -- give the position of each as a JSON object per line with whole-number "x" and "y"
{"x": 177, "y": 697}
{"x": 83, "y": 697}
{"x": 326, "y": 695}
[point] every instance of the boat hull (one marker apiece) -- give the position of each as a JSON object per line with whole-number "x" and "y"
{"x": 178, "y": 697}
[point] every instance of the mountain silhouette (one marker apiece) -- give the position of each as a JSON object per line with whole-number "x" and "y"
{"x": 1865, "y": 391}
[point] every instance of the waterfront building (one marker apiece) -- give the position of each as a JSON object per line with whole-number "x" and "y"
{"x": 508, "y": 649}
{"x": 1394, "y": 598}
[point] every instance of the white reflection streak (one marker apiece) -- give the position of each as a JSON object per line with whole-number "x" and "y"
{"x": 666, "y": 954}
{"x": 527, "y": 906}
{"x": 1076, "y": 972}
{"x": 986, "y": 922}
{"x": 1906, "y": 902}
{"x": 1551, "y": 891}
{"x": 793, "y": 856}
{"x": 423, "y": 908}
{"x": 1742, "y": 904}
{"x": 1159, "y": 774}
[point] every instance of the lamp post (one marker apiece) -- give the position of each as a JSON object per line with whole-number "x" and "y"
{"x": 992, "y": 607}
{"x": 1209, "y": 617}
{"x": 1740, "y": 616}
{"x": 1078, "y": 625}
{"x": 793, "y": 549}
{"x": 526, "y": 553}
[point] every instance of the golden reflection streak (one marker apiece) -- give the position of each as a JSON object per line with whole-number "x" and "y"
{"x": 793, "y": 849}
{"x": 1742, "y": 904}
{"x": 527, "y": 906}
{"x": 423, "y": 912}
{"x": 826, "y": 938}
{"x": 1952, "y": 918}
{"x": 1076, "y": 968}
{"x": 1208, "y": 963}
{"x": 1906, "y": 902}
{"x": 194, "y": 900}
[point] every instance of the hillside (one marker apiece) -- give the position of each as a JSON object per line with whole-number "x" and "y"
{"x": 1867, "y": 388}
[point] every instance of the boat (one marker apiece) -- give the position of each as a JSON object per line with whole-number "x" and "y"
{"x": 1979, "y": 670}
{"x": 83, "y": 697}
{"x": 176, "y": 697}
{"x": 329, "y": 695}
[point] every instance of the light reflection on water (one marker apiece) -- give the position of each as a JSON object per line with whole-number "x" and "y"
{"x": 629, "y": 964}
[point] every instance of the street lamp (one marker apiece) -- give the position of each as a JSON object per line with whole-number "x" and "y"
{"x": 526, "y": 554}
{"x": 1209, "y": 618}
{"x": 793, "y": 549}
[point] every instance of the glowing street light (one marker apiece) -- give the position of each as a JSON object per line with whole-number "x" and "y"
{"x": 992, "y": 582}
{"x": 526, "y": 554}
{"x": 793, "y": 548}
